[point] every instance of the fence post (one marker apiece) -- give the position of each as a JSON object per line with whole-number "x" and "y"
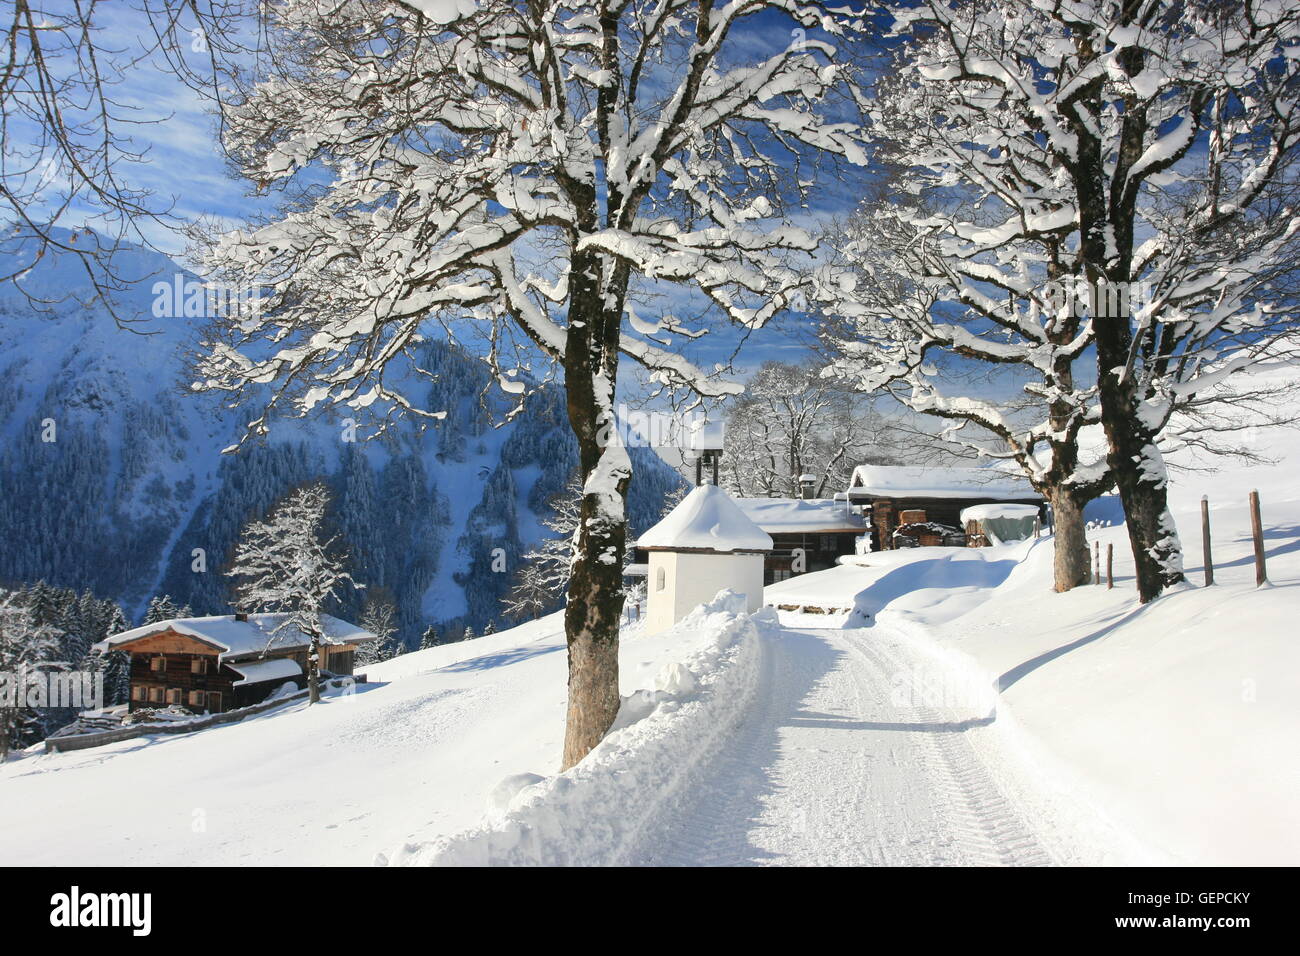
{"x": 1096, "y": 562}
{"x": 1110, "y": 566}
{"x": 1257, "y": 532}
{"x": 1205, "y": 540}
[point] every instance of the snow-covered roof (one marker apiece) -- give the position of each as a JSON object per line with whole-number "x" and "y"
{"x": 998, "y": 510}
{"x": 908, "y": 481}
{"x": 706, "y": 520}
{"x": 794, "y": 515}
{"x": 273, "y": 668}
{"x": 234, "y": 639}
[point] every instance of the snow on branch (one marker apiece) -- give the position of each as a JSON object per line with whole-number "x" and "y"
{"x": 476, "y": 155}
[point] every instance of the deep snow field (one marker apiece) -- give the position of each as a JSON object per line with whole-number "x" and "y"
{"x": 1118, "y": 734}
{"x": 1176, "y": 721}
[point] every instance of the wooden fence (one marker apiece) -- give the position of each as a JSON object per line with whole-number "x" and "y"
{"x": 1256, "y": 533}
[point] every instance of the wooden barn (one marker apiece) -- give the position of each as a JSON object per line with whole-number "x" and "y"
{"x": 927, "y": 503}
{"x": 807, "y": 534}
{"x": 215, "y": 664}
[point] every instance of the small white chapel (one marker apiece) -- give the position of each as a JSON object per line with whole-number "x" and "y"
{"x": 704, "y": 545}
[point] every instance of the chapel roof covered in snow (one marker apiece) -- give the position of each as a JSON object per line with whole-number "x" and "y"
{"x": 233, "y": 638}
{"x": 799, "y": 515}
{"x": 706, "y": 520}
{"x": 911, "y": 481}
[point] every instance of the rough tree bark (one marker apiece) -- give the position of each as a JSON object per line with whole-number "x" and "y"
{"x": 1070, "y": 545}
{"x": 1107, "y": 240}
{"x": 1140, "y": 476}
{"x": 595, "y": 595}
{"x": 313, "y": 671}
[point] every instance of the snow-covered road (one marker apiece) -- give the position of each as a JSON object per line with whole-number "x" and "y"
{"x": 833, "y": 766}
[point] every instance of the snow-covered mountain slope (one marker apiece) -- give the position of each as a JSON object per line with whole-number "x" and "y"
{"x": 114, "y": 479}
{"x": 410, "y": 759}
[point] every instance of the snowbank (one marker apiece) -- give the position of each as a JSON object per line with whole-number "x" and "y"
{"x": 1176, "y": 720}
{"x": 934, "y": 584}
{"x": 591, "y": 814}
{"x": 445, "y": 655}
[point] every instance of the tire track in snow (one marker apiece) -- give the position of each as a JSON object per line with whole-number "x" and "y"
{"x": 822, "y": 770}
{"x": 987, "y": 828}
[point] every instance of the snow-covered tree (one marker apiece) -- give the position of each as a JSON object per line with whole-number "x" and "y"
{"x": 25, "y": 644}
{"x": 901, "y": 325}
{"x": 531, "y": 167}
{"x": 553, "y": 558}
{"x": 530, "y": 595}
{"x": 429, "y": 638}
{"x": 163, "y": 608}
{"x": 1101, "y": 177}
{"x": 380, "y": 618}
{"x": 285, "y": 563}
{"x": 793, "y": 421}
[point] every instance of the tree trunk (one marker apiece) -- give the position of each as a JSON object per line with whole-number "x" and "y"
{"x": 591, "y": 623}
{"x": 595, "y": 594}
{"x": 1070, "y": 541}
{"x": 1143, "y": 487}
{"x": 313, "y": 671}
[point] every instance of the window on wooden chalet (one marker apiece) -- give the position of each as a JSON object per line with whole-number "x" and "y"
{"x": 199, "y": 665}
{"x": 174, "y": 695}
{"x": 158, "y": 663}
{"x": 155, "y": 695}
{"x": 828, "y": 542}
{"x": 139, "y": 693}
{"x": 196, "y": 698}
{"x": 781, "y": 574}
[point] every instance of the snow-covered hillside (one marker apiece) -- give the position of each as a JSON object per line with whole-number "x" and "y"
{"x": 960, "y": 713}
{"x": 411, "y": 757}
{"x": 113, "y": 472}
{"x": 1177, "y": 720}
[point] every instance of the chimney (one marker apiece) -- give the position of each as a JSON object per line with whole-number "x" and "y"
{"x": 241, "y": 616}
{"x": 807, "y": 486}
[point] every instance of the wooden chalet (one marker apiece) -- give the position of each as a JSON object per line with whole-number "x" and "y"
{"x": 808, "y": 534}
{"x": 890, "y": 496}
{"x": 220, "y": 663}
